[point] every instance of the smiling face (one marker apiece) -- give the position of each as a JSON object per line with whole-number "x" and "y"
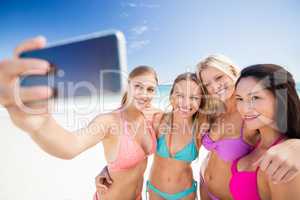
{"x": 142, "y": 90}
{"x": 186, "y": 98}
{"x": 255, "y": 103}
{"x": 217, "y": 83}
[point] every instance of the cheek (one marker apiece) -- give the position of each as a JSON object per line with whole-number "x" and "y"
{"x": 240, "y": 107}
{"x": 267, "y": 109}
{"x": 210, "y": 90}
{"x": 173, "y": 102}
{"x": 150, "y": 97}
{"x": 196, "y": 105}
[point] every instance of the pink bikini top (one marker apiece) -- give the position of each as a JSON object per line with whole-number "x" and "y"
{"x": 243, "y": 185}
{"x": 227, "y": 149}
{"x": 131, "y": 153}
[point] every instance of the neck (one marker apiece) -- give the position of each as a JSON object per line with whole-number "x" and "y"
{"x": 230, "y": 105}
{"x": 267, "y": 137}
{"x": 177, "y": 119}
{"x": 132, "y": 113}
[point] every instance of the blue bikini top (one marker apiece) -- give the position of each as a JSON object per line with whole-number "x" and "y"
{"x": 187, "y": 154}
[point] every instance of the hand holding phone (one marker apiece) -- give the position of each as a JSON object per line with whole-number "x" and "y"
{"x": 90, "y": 65}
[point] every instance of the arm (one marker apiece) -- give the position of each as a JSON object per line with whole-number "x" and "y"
{"x": 285, "y": 191}
{"x": 59, "y": 142}
{"x": 156, "y": 121}
{"x": 35, "y": 118}
{"x": 281, "y": 162}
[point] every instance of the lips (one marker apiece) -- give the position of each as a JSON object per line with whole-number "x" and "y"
{"x": 142, "y": 102}
{"x": 184, "y": 110}
{"x": 251, "y": 117}
{"x": 221, "y": 91}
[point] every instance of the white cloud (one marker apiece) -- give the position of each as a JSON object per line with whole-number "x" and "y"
{"x": 141, "y": 5}
{"x": 138, "y": 30}
{"x": 129, "y": 4}
{"x": 124, "y": 15}
{"x": 138, "y": 44}
{"x": 149, "y": 5}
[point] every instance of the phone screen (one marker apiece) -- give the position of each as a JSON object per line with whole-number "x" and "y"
{"x": 81, "y": 68}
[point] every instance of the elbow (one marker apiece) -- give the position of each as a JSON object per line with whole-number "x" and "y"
{"x": 66, "y": 155}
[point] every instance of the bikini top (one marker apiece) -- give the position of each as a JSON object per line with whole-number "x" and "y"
{"x": 130, "y": 152}
{"x": 227, "y": 149}
{"x": 243, "y": 184}
{"x": 187, "y": 154}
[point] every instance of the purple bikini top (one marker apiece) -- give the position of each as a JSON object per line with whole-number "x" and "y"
{"x": 227, "y": 149}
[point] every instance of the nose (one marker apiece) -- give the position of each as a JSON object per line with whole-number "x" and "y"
{"x": 215, "y": 86}
{"x": 144, "y": 94}
{"x": 247, "y": 107}
{"x": 185, "y": 102}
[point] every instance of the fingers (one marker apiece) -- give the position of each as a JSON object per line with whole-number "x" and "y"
{"x": 272, "y": 168}
{"x": 290, "y": 175}
{"x": 263, "y": 162}
{"x": 108, "y": 178}
{"x": 31, "y": 44}
{"x": 35, "y": 93}
{"x": 101, "y": 187}
{"x": 10, "y": 90}
{"x": 99, "y": 181}
{"x": 277, "y": 177}
{"x": 277, "y": 167}
{"x": 25, "y": 95}
{"x": 16, "y": 67}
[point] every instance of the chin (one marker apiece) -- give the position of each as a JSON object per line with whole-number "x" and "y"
{"x": 184, "y": 115}
{"x": 254, "y": 125}
{"x": 140, "y": 107}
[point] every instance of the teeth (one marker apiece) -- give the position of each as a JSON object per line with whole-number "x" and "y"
{"x": 251, "y": 117}
{"x": 141, "y": 101}
{"x": 221, "y": 91}
{"x": 184, "y": 110}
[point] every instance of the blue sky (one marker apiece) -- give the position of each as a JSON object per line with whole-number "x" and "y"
{"x": 170, "y": 35}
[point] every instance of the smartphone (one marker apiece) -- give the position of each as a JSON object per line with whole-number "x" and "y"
{"x": 84, "y": 66}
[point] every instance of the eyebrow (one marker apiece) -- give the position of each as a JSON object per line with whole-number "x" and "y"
{"x": 153, "y": 86}
{"x": 218, "y": 75}
{"x": 249, "y": 94}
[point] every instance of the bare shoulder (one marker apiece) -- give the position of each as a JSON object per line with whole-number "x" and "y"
{"x": 106, "y": 122}
{"x": 150, "y": 112}
{"x": 156, "y": 120}
{"x": 158, "y": 117}
{"x": 106, "y": 118}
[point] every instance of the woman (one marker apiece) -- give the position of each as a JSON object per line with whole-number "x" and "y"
{"x": 178, "y": 142}
{"x": 122, "y": 132}
{"x": 267, "y": 101}
{"x": 227, "y": 138}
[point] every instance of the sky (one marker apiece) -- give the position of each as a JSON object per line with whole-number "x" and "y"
{"x": 172, "y": 36}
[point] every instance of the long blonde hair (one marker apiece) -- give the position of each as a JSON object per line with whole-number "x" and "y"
{"x": 138, "y": 71}
{"x": 220, "y": 62}
{"x": 224, "y": 64}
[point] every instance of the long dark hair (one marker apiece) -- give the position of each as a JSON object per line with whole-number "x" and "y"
{"x": 282, "y": 85}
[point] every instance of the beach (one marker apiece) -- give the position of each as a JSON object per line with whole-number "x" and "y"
{"x": 27, "y": 172}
